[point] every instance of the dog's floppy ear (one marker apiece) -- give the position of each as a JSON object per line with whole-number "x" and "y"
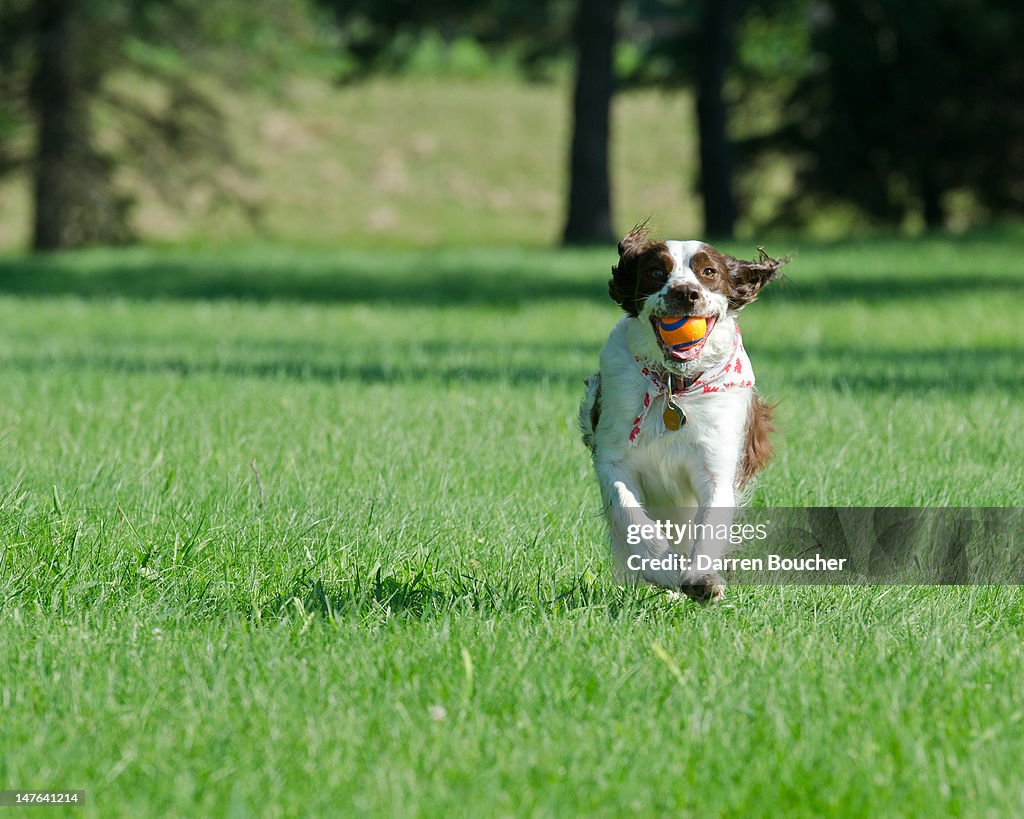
{"x": 642, "y": 269}
{"x": 747, "y": 278}
{"x": 636, "y": 241}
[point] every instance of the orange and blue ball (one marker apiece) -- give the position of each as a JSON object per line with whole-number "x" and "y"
{"x": 680, "y": 332}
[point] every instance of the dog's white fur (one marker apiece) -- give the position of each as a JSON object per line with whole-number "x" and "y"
{"x": 690, "y": 470}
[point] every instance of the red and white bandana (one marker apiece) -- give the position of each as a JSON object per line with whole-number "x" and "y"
{"x": 735, "y": 371}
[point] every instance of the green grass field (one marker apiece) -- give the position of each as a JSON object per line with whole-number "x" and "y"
{"x": 306, "y": 532}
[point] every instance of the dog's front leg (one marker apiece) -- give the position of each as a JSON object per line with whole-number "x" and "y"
{"x": 713, "y": 525}
{"x": 640, "y": 547}
{"x": 716, "y": 498}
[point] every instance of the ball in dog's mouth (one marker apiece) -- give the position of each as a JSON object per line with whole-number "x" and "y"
{"x": 683, "y": 337}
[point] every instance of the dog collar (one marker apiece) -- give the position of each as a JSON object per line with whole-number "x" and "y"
{"x": 734, "y": 371}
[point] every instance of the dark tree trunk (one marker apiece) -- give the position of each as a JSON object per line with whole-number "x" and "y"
{"x": 931, "y": 200}
{"x": 55, "y": 101}
{"x": 590, "y": 220}
{"x": 712, "y": 118}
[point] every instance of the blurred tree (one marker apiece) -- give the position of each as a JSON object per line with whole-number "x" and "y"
{"x": 589, "y": 220}
{"x": 716, "y": 183}
{"x": 383, "y": 35}
{"x": 74, "y": 197}
{"x": 61, "y": 61}
{"x": 671, "y": 43}
{"x": 56, "y": 96}
{"x": 379, "y": 34}
{"x": 909, "y": 106}
{"x": 690, "y": 44}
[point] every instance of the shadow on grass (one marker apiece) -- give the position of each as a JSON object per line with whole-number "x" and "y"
{"x": 876, "y": 291}
{"x": 839, "y": 367}
{"x": 437, "y": 285}
{"x": 367, "y": 373}
{"x": 444, "y": 280}
{"x": 812, "y": 367}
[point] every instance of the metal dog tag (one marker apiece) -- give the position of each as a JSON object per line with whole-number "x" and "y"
{"x": 673, "y": 416}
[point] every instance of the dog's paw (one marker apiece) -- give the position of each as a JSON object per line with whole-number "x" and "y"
{"x": 707, "y": 589}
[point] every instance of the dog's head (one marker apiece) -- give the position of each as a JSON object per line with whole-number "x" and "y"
{"x": 661, "y": 279}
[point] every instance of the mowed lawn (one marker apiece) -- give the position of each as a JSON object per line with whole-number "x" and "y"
{"x": 293, "y": 532}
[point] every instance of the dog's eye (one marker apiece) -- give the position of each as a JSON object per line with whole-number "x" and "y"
{"x": 709, "y": 273}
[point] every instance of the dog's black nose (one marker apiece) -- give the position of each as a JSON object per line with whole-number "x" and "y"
{"x": 686, "y": 292}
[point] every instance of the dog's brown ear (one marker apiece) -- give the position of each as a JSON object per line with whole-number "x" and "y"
{"x": 747, "y": 278}
{"x": 636, "y": 241}
{"x": 642, "y": 269}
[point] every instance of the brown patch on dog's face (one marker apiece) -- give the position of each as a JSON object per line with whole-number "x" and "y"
{"x": 738, "y": 280}
{"x": 644, "y": 267}
{"x": 711, "y": 269}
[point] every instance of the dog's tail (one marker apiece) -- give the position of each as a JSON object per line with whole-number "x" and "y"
{"x": 590, "y": 409}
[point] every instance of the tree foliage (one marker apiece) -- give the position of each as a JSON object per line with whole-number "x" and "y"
{"x": 68, "y": 65}
{"x": 907, "y": 106}
{"x": 381, "y": 35}
{"x": 905, "y": 111}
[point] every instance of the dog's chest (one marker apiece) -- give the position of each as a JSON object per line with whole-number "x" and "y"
{"x": 638, "y": 417}
{"x": 710, "y": 422}
{"x": 671, "y": 463}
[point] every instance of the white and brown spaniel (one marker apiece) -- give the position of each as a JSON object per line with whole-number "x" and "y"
{"x": 676, "y": 432}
